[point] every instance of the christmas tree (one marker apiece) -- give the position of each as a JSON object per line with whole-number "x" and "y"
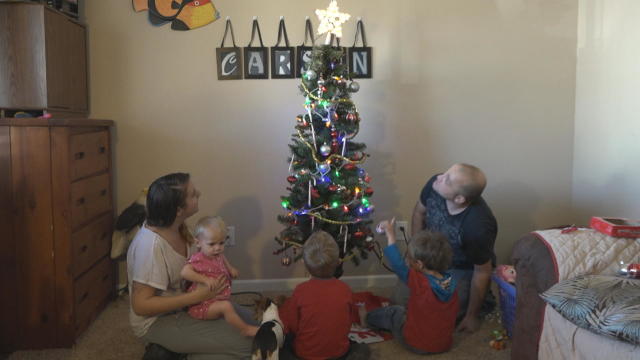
{"x": 329, "y": 190}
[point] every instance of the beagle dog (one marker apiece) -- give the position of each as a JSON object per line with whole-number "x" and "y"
{"x": 270, "y": 336}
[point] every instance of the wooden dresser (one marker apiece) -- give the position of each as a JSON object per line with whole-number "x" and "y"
{"x": 43, "y": 60}
{"x": 56, "y": 217}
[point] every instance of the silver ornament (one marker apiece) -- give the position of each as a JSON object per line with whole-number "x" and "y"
{"x": 325, "y": 150}
{"x": 354, "y": 87}
{"x": 310, "y": 74}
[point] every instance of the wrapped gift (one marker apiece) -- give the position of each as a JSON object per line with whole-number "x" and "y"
{"x": 618, "y": 227}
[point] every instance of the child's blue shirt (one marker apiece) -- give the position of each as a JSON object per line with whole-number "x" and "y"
{"x": 442, "y": 288}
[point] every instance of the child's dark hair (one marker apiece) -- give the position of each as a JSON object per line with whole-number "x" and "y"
{"x": 321, "y": 255}
{"x": 166, "y": 194}
{"x": 432, "y": 249}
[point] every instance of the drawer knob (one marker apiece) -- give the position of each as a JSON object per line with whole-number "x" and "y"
{"x": 105, "y": 277}
{"x": 84, "y": 248}
{"x": 102, "y": 149}
{"x": 103, "y": 192}
{"x": 104, "y": 235}
{"x": 79, "y": 155}
{"x": 84, "y": 297}
{"x": 80, "y": 201}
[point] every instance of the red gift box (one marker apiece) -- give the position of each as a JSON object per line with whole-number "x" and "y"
{"x": 617, "y": 227}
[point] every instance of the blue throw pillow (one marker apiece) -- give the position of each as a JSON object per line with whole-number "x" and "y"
{"x": 607, "y": 305}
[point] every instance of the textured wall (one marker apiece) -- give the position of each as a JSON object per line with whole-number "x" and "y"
{"x": 606, "y": 173}
{"x": 485, "y": 82}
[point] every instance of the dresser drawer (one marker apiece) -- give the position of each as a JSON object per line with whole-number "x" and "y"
{"x": 89, "y": 153}
{"x": 89, "y": 197}
{"x": 90, "y": 243}
{"x": 91, "y": 291}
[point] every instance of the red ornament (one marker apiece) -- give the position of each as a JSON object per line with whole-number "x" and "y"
{"x": 314, "y": 193}
{"x": 367, "y": 179}
{"x": 345, "y": 208}
{"x": 358, "y": 234}
{"x": 369, "y": 191}
{"x": 332, "y": 187}
{"x": 301, "y": 121}
{"x": 334, "y": 134}
{"x": 349, "y": 166}
{"x": 292, "y": 179}
{"x": 335, "y": 147}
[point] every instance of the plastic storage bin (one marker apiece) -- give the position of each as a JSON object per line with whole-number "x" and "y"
{"x": 507, "y": 295}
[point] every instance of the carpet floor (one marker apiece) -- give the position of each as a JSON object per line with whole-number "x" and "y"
{"x": 110, "y": 337}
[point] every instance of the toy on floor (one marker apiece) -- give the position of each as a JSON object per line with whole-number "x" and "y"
{"x": 499, "y": 341}
{"x": 629, "y": 270}
{"x": 506, "y": 273}
{"x": 270, "y": 336}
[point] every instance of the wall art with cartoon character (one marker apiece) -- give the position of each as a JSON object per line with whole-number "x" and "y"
{"x": 182, "y": 14}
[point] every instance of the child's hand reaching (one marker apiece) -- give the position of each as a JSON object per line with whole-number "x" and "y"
{"x": 388, "y": 226}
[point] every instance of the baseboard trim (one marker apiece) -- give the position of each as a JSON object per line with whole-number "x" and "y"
{"x": 356, "y": 283}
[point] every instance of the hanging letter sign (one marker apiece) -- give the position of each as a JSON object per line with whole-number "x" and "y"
{"x": 283, "y": 60}
{"x": 229, "y": 58}
{"x": 256, "y": 60}
{"x": 360, "y": 57}
{"x": 303, "y": 52}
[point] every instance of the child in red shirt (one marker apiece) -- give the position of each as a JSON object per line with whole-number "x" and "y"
{"x": 318, "y": 314}
{"x": 426, "y": 325}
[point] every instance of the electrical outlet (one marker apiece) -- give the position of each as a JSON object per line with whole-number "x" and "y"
{"x": 231, "y": 236}
{"x": 402, "y": 224}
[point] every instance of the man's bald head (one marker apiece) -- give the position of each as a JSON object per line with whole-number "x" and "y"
{"x": 470, "y": 181}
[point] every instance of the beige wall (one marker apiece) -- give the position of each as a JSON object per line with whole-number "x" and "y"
{"x": 606, "y": 176}
{"x": 485, "y": 82}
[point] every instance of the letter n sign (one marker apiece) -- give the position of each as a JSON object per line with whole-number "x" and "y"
{"x": 229, "y": 63}
{"x": 360, "y": 62}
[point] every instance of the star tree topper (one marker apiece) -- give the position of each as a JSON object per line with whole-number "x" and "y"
{"x": 331, "y": 21}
